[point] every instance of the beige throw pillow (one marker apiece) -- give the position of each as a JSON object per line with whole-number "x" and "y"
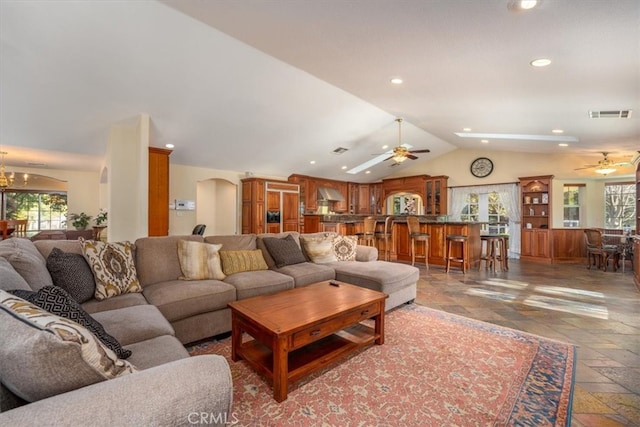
{"x": 44, "y": 355}
{"x": 199, "y": 261}
{"x": 112, "y": 266}
{"x": 319, "y": 249}
{"x": 239, "y": 261}
{"x": 344, "y": 247}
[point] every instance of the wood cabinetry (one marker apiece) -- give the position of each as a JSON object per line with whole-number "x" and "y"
{"x": 638, "y": 200}
{"x": 158, "y": 218}
{"x": 436, "y": 196}
{"x": 364, "y": 199}
{"x": 536, "y": 218}
{"x": 432, "y": 190}
{"x": 309, "y": 193}
{"x": 375, "y": 192}
{"x": 269, "y": 206}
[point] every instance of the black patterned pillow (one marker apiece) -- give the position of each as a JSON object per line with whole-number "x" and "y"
{"x": 57, "y": 301}
{"x": 284, "y": 251}
{"x": 72, "y": 273}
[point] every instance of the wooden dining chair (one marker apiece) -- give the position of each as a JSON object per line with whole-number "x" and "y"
{"x": 367, "y": 237}
{"x": 4, "y": 227}
{"x": 598, "y": 251}
{"x": 19, "y": 227}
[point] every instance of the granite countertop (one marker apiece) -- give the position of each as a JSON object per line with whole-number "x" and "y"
{"x": 355, "y": 218}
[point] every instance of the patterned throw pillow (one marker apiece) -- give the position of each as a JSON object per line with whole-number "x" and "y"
{"x": 284, "y": 251}
{"x": 319, "y": 249}
{"x": 345, "y": 247}
{"x": 48, "y": 354}
{"x": 56, "y": 301}
{"x": 244, "y": 260}
{"x": 199, "y": 261}
{"x": 112, "y": 266}
{"x": 72, "y": 273}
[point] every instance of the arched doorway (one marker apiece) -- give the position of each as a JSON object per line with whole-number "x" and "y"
{"x": 216, "y": 206}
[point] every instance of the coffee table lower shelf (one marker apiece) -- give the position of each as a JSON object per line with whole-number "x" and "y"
{"x": 311, "y": 357}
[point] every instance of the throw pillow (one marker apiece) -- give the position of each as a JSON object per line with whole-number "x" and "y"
{"x": 284, "y": 251}
{"x": 113, "y": 267}
{"x": 199, "y": 261}
{"x": 239, "y": 261}
{"x": 344, "y": 247}
{"x": 25, "y": 258}
{"x": 10, "y": 277}
{"x": 56, "y": 301}
{"x": 71, "y": 272}
{"x": 319, "y": 249}
{"x": 44, "y": 355}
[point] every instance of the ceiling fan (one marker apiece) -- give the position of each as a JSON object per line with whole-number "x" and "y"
{"x": 401, "y": 153}
{"x": 605, "y": 166}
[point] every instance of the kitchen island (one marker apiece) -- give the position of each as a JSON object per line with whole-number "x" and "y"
{"x": 438, "y": 228}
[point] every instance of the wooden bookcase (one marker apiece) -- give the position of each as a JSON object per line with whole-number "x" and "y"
{"x": 536, "y": 218}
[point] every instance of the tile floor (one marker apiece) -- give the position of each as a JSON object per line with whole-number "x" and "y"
{"x": 595, "y": 310}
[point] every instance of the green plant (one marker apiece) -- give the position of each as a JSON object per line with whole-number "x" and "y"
{"x": 101, "y": 218}
{"x": 80, "y": 221}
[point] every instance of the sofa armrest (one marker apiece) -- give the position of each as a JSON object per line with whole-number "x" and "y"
{"x": 366, "y": 253}
{"x": 177, "y": 393}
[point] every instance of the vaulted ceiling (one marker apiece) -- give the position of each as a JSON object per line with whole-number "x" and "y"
{"x": 269, "y": 86}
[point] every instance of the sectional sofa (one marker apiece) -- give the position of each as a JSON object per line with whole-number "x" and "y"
{"x": 156, "y": 323}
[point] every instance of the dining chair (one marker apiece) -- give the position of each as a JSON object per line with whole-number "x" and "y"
{"x": 367, "y": 237}
{"x": 4, "y": 227}
{"x": 19, "y": 227}
{"x": 597, "y": 250}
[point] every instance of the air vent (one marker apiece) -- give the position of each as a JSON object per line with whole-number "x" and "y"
{"x": 610, "y": 114}
{"x": 340, "y": 150}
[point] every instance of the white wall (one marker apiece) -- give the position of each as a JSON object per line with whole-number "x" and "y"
{"x": 215, "y": 206}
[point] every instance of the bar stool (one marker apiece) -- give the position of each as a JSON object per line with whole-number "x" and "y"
{"x": 494, "y": 244}
{"x": 456, "y": 238}
{"x": 504, "y": 251}
{"x": 415, "y": 234}
{"x": 386, "y": 237}
{"x": 368, "y": 236}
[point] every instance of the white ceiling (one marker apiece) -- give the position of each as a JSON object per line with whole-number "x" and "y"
{"x": 267, "y": 86}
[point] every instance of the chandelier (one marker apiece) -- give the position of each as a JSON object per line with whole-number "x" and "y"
{"x": 10, "y": 180}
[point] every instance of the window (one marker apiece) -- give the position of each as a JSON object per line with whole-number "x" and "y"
{"x": 486, "y": 208}
{"x": 45, "y": 211}
{"x": 572, "y": 200}
{"x": 620, "y": 205}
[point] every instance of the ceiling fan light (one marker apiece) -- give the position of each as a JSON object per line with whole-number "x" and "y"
{"x": 605, "y": 170}
{"x": 399, "y": 158}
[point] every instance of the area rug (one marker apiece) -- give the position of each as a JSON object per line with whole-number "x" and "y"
{"x": 435, "y": 369}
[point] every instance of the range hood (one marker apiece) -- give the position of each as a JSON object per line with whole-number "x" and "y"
{"x": 329, "y": 194}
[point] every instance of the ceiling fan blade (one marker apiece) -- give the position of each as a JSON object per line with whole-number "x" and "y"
{"x": 388, "y": 158}
{"x": 420, "y": 151}
{"x": 622, "y": 164}
{"x": 586, "y": 167}
{"x": 412, "y": 157}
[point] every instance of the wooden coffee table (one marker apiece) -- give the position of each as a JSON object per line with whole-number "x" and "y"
{"x": 299, "y": 331}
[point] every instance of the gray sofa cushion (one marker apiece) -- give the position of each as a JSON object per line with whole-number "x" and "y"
{"x": 10, "y": 279}
{"x": 382, "y": 276}
{"x": 177, "y": 299}
{"x": 46, "y": 246}
{"x": 71, "y": 272}
{"x": 149, "y": 252}
{"x": 27, "y": 261}
{"x": 307, "y": 273}
{"x": 134, "y": 324}
{"x": 236, "y": 242}
{"x": 124, "y": 300}
{"x": 253, "y": 283}
{"x": 156, "y": 351}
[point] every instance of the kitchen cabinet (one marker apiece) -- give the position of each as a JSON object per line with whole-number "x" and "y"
{"x": 311, "y": 204}
{"x": 431, "y": 189}
{"x": 269, "y": 206}
{"x": 536, "y": 218}
{"x": 375, "y": 192}
{"x": 436, "y": 196}
{"x": 158, "y": 200}
{"x": 364, "y": 200}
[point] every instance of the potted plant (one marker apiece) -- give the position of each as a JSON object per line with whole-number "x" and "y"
{"x": 80, "y": 221}
{"x": 101, "y": 218}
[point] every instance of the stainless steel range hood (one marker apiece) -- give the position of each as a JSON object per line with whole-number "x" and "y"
{"x": 329, "y": 194}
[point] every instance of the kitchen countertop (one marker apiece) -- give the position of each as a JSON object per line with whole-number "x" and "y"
{"x": 355, "y": 218}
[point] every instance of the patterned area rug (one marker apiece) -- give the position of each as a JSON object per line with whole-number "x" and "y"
{"x": 435, "y": 369}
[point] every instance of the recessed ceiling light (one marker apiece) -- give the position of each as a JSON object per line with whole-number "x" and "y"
{"x": 313, "y": 162}
{"x": 563, "y": 144}
{"x": 384, "y": 147}
{"x": 344, "y": 167}
{"x": 520, "y": 5}
{"x": 558, "y": 138}
{"x": 541, "y": 62}
{"x": 169, "y": 145}
{"x": 557, "y": 131}
{"x": 368, "y": 172}
{"x": 396, "y": 80}
{"x": 466, "y": 129}
{"x": 484, "y": 141}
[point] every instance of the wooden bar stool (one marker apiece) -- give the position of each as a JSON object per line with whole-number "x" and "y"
{"x": 416, "y": 235}
{"x": 386, "y": 237}
{"x": 504, "y": 251}
{"x": 493, "y": 252}
{"x": 456, "y": 238}
{"x": 368, "y": 236}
